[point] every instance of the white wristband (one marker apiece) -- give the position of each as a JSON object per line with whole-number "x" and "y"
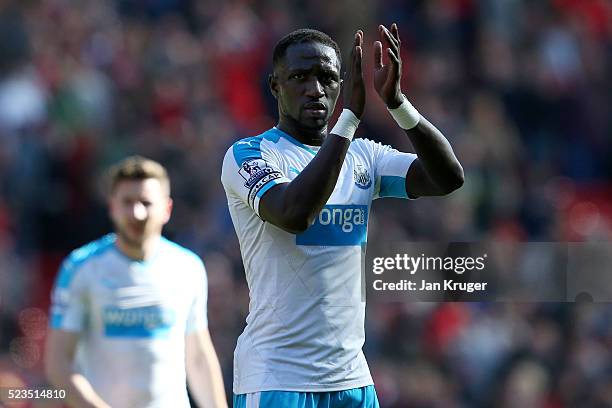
{"x": 406, "y": 115}
{"x": 346, "y": 125}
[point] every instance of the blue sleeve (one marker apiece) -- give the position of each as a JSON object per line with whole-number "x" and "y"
{"x": 391, "y": 167}
{"x": 68, "y": 303}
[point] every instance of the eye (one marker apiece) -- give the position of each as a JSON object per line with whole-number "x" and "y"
{"x": 328, "y": 79}
{"x": 297, "y": 76}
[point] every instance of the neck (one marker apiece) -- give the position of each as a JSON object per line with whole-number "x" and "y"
{"x": 138, "y": 252}
{"x": 309, "y": 136}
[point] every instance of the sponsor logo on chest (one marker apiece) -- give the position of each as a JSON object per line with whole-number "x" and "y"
{"x": 337, "y": 225}
{"x": 148, "y": 321}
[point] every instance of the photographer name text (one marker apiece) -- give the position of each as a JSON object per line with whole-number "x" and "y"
{"x": 423, "y": 285}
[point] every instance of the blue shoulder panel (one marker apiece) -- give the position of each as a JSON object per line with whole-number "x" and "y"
{"x": 250, "y": 147}
{"x": 247, "y": 149}
{"x": 80, "y": 256}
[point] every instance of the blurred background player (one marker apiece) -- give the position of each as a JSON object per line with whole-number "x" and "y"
{"x": 300, "y": 201}
{"x": 128, "y": 315}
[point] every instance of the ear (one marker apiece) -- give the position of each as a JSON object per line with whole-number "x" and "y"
{"x": 169, "y": 206}
{"x": 273, "y": 84}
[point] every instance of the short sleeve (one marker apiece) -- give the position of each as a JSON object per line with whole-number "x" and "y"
{"x": 68, "y": 298}
{"x": 249, "y": 173}
{"x": 197, "y": 318}
{"x": 391, "y": 167}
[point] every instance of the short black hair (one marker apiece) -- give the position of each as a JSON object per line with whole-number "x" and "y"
{"x": 303, "y": 35}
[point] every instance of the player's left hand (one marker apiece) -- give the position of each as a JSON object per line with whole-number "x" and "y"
{"x": 387, "y": 77}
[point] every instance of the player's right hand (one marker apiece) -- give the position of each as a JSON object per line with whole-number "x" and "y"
{"x": 353, "y": 87}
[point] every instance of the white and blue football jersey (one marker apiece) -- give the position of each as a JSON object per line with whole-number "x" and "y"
{"x": 305, "y": 328}
{"x": 132, "y": 317}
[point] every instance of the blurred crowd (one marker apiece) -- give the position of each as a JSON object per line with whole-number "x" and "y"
{"x": 522, "y": 89}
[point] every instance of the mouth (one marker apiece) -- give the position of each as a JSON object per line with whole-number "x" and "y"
{"x": 315, "y": 109}
{"x": 137, "y": 229}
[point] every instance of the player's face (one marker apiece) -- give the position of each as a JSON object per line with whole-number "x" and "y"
{"x": 306, "y": 84}
{"x": 139, "y": 209}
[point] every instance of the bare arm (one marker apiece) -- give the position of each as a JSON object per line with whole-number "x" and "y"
{"x": 59, "y": 358}
{"x": 294, "y": 206}
{"x": 436, "y": 171}
{"x": 203, "y": 371}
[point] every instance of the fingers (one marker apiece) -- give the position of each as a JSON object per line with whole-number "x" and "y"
{"x": 392, "y": 41}
{"x": 357, "y": 59}
{"x": 357, "y": 52}
{"x": 395, "y": 32}
{"x": 378, "y": 61}
{"x": 357, "y": 44}
{"x": 395, "y": 61}
{"x": 390, "y": 38}
{"x": 359, "y": 38}
{"x": 354, "y": 87}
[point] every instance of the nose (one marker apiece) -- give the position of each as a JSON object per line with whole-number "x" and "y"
{"x": 139, "y": 212}
{"x": 314, "y": 89}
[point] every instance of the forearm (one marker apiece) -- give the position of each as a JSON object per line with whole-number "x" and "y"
{"x": 79, "y": 392}
{"x": 306, "y": 195}
{"x": 206, "y": 382}
{"x": 436, "y": 155}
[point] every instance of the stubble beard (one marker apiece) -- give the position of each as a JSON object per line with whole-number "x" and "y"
{"x": 314, "y": 130}
{"x": 129, "y": 241}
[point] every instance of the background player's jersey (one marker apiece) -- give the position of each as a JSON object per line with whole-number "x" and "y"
{"x": 305, "y": 327}
{"x": 132, "y": 317}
